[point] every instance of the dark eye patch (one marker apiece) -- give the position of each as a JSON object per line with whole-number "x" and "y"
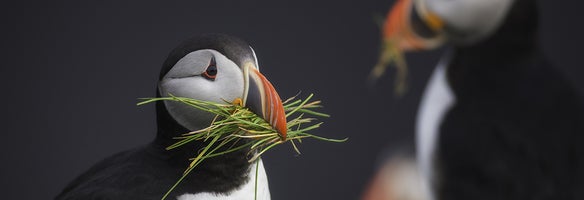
{"x": 211, "y": 71}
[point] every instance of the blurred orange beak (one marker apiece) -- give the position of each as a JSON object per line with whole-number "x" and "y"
{"x": 398, "y": 179}
{"x": 398, "y": 28}
{"x": 262, "y": 99}
{"x": 408, "y": 27}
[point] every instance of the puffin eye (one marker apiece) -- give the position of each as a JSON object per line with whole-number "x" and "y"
{"x": 211, "y": 72}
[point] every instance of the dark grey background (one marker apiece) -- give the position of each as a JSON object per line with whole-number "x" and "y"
{"x": 72, "y": 72}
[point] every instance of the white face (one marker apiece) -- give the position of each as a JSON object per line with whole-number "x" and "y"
{"x": 470, "y": 21}
{"x": 187, "y": 78}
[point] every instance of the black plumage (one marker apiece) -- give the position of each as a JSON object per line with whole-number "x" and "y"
{"x": 517, "y": 126}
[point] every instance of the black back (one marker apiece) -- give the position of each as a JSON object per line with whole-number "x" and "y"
{"x": 148, "y": 172}
{"x": 516, "y": 129}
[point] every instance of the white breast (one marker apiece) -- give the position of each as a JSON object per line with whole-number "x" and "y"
{"x": 245, "y": 192}
{"x": 436, "y": 101}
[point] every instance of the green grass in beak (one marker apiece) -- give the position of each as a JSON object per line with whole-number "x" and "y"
{"x": 236, "y": 128}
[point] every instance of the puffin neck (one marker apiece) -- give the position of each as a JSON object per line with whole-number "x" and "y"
{"x": 219, "y": 174}
{"x": 167, "y": 127}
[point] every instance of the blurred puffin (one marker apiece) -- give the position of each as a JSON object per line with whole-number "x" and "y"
{"x": 211, "y": 67}
{"x": 496, "y": 120}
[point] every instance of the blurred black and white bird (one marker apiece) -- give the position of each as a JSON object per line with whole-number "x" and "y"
{"x": 496, "y": 120}
{"x": 210, "y": 67}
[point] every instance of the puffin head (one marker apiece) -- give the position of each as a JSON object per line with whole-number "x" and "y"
{"x": 427, "y": 24}
{"x": 217, "y": 68}
{"x": 415, "y": 25}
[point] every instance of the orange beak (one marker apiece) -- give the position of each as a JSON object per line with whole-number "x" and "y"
{"x": 408, "y": 27}
{"x": 399, "y": 27}
{"x": 262, "y": 99}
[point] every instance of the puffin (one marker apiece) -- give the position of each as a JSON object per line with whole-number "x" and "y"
{"x": 210, "y": 67}
{"x": 497, "y": 119}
